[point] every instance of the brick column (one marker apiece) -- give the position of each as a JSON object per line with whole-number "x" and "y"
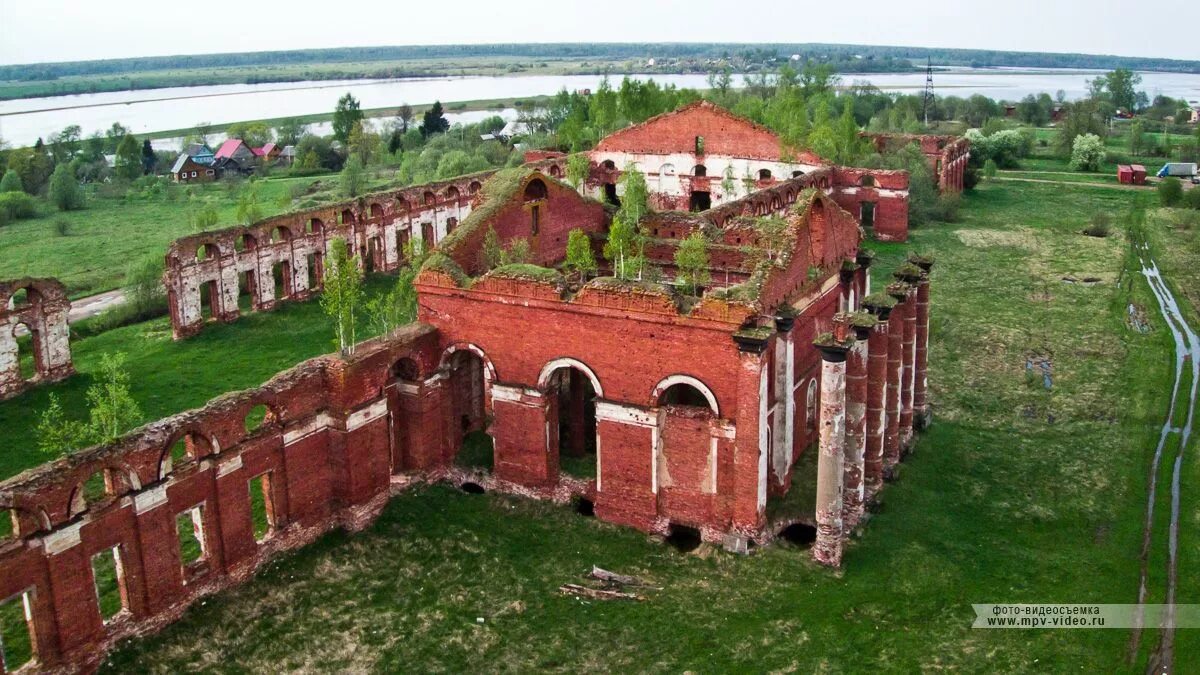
{"x": 856, "y": 420}
{"x": 827, "y": 550}
{"x": 921, "y": 412}
{"x": 848, "y": 277}
{"x": 880, "y": 305}
{"x": 910, "y": 275}
{"x": 891, "y": 442}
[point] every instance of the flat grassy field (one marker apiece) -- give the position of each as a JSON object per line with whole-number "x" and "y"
{"x": 1018, "y": 493}
{"x": 169, "y": 377}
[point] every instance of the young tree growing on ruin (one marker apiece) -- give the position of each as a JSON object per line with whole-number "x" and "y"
{"x": 691, "y": 261}
{"x": 397, "y": 306}
{"x": 65, "y": 192}
{"x": 578, "y": 166}
{"x": 635, "y": 196}
{"x": 516, "y": 253}
{"x": 57, "y": 435}
{"x": 343, "y": 293}
{"x": 111, "y": 407}
{"x": 345, "y": 115}
{"x": 489, "y": 254}
{"x": 248, "y": 210}
{"x": 351, "y": 178}
{"x": 621, "y": 249}
{"x": 580, "y": 259}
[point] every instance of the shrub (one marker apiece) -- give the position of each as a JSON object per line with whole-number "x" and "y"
{"x": 1087, "y": 152}
{"x": 62, "y": 227}
{"x": 1191, "y": 198}
{"x": 65, "y": 192}
{"x": 11, "y": 182}
{"x": 1170, "y": 191}
{"x": 16, "y": 205}
{"x": 1101, "y": 226}
{"x": 989, "y": 169}
{"x": 948, "y": 206}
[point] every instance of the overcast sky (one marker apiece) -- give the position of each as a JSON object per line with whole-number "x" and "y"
{"x": 68, "y": 30}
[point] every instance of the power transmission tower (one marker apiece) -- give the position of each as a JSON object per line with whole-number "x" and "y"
{"x": 928, "y": 102}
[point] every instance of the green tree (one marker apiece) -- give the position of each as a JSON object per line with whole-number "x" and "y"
{"x": 1170, "y": 191}
{"x": 1137, "y": 137}
{"x": 111, "y": 408}
{"x": 635, "y": 195}
{"x": 1121, "y": 85}
{"x": 621, "y": 249}
{"x": 129, "y": 158}
{"x": 290, "y": 131}
{"x": 397, "y": 306}
{"x": 989, "y": 169}
{"x": 691, "y": 261}
{"x": 149, "y": 159}
{"x": 578, "y": 167}
{"x": 204, "y": 219}
{"x": 1087, "y": 153}
{"x": 248, "y": 210}
{"x": 434, "y": 121}
{"x": 1079, "y": 118}
{"x": 342, "y": 294}
{"x": 580, "y": 258}
{"x": 489, "y": 254}
{"x": 11, "y": 182}
{"x": 65, "y": 192}
{"x": 143, "y": 286}
{"x": 517, "y": 252}
{"x": 345, "y": 116}
{"x": 351, "y": 178}
{"x": 57, "y": 435}
{"x": 404, "y": 116}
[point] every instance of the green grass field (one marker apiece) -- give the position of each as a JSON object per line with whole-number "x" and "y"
{"x": 1018, "y": 493}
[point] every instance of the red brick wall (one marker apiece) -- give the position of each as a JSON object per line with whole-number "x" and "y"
{"x": 675, "y": 132}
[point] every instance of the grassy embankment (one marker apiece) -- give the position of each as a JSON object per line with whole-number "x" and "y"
{"x": 1017, "y": 494}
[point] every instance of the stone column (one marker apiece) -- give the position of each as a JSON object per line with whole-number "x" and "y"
{"x": 827, "y": 550}
{"x": 891, "y": 441}
{"x": 856, "y": 420}
{"x": 880, "y": 306}
{"x": 921, "y": 413}
{"x": 848, "y": 276}
{"x": 910, "y": 275}
{"x": 864, "y": 258}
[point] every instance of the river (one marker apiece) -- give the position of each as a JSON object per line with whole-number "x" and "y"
{"x": 23, "y": 121}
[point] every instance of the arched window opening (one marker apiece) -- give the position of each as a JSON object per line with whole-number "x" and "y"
{"x": 764, "y": 174}
{"x": 316, "y": 226}
{"x": 376, "y": 211}
{"x": 797, "y": 173}
{"x": 666, "y": 170}
{"x": 207, "y": 251}
{"x": 429, "y": 198}
{"x": 406, "y": 370}
{"x": 347, "y": 216}
{"x": 28, "y": 344}
{"x": 555, "y": 171}
{"x": 700, "y": 170}
{"x": 535, "y": 190}
{"x": 867, "y": 181}
{"x": 280, "y": 234}
{"x": 8, "y": 525}
{"x": 452, "y": 194}
{"x": 258, "y": 417}
{"x": 474, "y": 187}
{"x": 810, "y": 410}
{"x": 683, "y": 394}
{"x": 22, "y": 297}
{"x": 573, "y": 413}
{"x": 246, "y": 242}
{"x": 608, "y": 165}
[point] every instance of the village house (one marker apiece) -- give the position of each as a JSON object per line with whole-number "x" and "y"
{"x": 188, "y": 170}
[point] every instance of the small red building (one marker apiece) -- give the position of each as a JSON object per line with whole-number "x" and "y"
{"x": 1131, "y": 174}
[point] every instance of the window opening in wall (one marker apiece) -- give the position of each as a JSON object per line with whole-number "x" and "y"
{"x": 257, "y": 416}
{"x": 534, "y": 218}
{"x": 699, "y": 145}
{"x": 209, "y": 299}
{"x": 700, "y": 170}
{"x": 764, "y": 174}
{"x": 8, "y": 525}
{"x": 262, "y": 512}
{"x": 17, "y": 645}
{"x": 867, "y": 214}
{"x": 95, "y": 489}
{"x": 189, "y": 527}
{"x": 610, "y": 194}
{"x": 109, "y": 579}
{"x": 26, "y": 360}
{"x": 701, "y": 200}
{"x": 316, "y": 270}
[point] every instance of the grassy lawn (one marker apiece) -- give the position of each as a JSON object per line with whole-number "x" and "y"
{"x": 1018, "y": 493}
{"x": 169, "y": 377}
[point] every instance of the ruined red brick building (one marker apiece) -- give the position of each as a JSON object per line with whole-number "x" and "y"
{"x": 35, "y": 310}
{"x": 779, "y": 393}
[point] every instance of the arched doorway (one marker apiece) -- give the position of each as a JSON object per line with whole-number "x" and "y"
{"x": 571, "y": 389}
{"x": 467, "y": 378}
{"x": 685, "y": 455}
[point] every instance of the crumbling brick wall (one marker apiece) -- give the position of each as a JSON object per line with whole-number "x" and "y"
{"x": 947, "y": 156}
{"x": 40, "y": 316}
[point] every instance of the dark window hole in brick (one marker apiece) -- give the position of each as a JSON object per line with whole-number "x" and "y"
{"x": 683, "y": 538}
